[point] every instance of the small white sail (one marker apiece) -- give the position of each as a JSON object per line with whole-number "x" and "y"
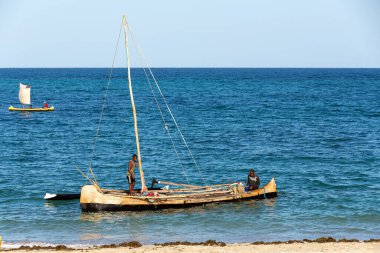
{"x": 24, "y": 94}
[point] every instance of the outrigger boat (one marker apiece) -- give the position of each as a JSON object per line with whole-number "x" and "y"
{"x": 93, "y": 198}
{"x": 24, "y": 97}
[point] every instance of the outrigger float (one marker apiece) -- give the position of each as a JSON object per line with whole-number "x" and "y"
{"x": 93, "y": 198}
{"x": 24, "y": 97}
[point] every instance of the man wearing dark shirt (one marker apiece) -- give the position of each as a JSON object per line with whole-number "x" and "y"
{"x": 253, "y": 181}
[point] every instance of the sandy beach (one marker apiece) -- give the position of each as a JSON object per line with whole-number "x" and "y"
{"x": 372, "y": 246}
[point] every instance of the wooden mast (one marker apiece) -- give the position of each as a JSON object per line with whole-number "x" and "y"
{"x": 143, "y": 186}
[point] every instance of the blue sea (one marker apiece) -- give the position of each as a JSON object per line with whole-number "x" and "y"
{"x": 317, "y": 131}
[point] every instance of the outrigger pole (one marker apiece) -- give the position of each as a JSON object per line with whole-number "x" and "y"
{"x": 143, "y": 186}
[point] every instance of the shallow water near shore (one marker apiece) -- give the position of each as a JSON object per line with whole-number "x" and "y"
{"x": 317, "y": 131}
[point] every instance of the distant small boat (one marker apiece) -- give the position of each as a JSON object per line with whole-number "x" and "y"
{"x": 24, "y": 97}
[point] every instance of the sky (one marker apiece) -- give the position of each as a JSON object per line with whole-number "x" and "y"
{"x": 196, "y": 33}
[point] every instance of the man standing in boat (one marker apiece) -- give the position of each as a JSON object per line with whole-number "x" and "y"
{"x": 131, "y": 173}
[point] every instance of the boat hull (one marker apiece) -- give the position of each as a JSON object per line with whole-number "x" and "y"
{"x": 94, "y": 201}
{"x": 15, "y": 109}
{"x": 93, "y": 207}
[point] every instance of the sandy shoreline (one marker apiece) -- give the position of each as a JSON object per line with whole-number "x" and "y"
{"x": 326, "y": 244}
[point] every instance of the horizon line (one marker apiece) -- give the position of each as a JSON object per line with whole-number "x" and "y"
{"x": 192, "y": 67}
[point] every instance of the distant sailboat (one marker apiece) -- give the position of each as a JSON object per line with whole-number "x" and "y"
{"x": 24, "y": 97}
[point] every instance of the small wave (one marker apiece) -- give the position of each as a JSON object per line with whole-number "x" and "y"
{"x": 375, "y": 187}
{"x": 16, "y": 245}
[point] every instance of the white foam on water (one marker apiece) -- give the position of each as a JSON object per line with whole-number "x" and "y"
{"x": 15, "y": 245}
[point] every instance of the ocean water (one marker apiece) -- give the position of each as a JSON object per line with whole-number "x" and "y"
{"x": 317, "y": 131}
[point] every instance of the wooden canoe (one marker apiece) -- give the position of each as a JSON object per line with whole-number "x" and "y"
{"x": 93, "y": 199}
{"x": 49, "y": 109}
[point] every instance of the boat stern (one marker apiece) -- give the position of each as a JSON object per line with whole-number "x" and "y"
{"x": 271, "y": 186}
{"x": 93, "y": 200}
{"x": 268, "y": 191}
{"x": 90, "y": 194}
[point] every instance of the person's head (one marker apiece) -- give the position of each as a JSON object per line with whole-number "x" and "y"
{"x": 251, "y": 172}
{"x": 134, "y": 157}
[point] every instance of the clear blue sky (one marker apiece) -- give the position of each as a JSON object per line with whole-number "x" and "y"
{"x": 207, "y": 33}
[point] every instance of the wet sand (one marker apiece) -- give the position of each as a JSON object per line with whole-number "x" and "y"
{"x": 305, "y": 246}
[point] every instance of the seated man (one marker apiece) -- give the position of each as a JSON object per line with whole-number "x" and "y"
{"x": 253, "y": 181}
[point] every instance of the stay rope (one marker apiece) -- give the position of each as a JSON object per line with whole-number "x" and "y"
{"x": 166, "y": 127}
{"x": 103, "y": 106}
{"x": 159, "y": 109}
{"x": 143, "y": 59}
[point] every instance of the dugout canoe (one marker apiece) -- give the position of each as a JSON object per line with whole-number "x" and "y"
{"x": 17, "y": 109}
{"x": 94, "y": 199}
{"x": 25, "y": 99}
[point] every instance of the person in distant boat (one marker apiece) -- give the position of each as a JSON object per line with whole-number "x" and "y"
{"x": 253, "y": 181}
{"x": 131, "y": 173}
{"x": 46, "y": 105}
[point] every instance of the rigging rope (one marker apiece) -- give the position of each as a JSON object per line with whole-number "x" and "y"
{"x": 166, "y": 127}
{"x": 159, "y": 109}
{"x": 103, "y": 106}
{"x": 141, "y": 54}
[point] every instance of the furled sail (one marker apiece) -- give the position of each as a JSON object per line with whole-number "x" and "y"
{"x": 24, "y": 94}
